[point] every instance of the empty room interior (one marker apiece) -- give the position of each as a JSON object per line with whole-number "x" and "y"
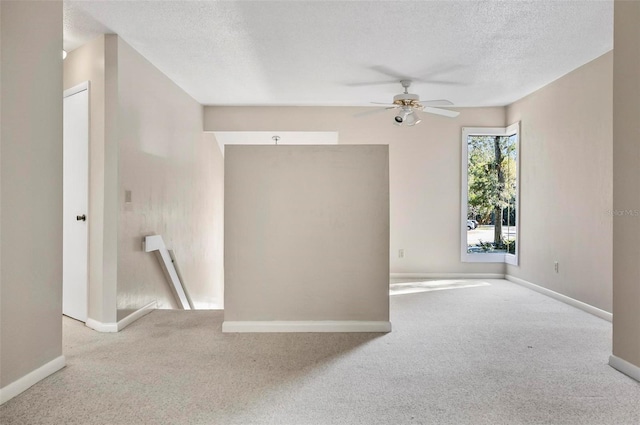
{"x": 320, "y": 212}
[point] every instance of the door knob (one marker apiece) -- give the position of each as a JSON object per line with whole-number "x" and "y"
{"x": 81, "y": 217}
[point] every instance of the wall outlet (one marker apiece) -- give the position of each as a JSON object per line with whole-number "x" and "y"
{"x": 555, "y": 266}
{"x": 401, "y": 253}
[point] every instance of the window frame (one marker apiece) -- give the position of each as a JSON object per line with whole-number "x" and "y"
{"x": 479, "y": 257}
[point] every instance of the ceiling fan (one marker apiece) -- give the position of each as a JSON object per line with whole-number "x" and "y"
{"x": 409, "y": 103}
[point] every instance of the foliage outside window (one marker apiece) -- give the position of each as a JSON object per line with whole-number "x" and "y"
{"x": 490, "y": 194}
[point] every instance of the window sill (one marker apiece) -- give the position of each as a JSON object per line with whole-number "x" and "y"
{"x": 489, "y": 258}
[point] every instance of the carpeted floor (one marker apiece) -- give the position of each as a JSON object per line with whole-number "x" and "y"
{"x": 413, "y": 287}
{"x": 490, "y": 354}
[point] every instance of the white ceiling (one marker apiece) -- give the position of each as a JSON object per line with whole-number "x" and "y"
{"x": 476, "y": 53}
{"x": 267, "y": 138}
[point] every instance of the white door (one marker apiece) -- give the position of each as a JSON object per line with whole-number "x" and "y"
{"x": 75, "y": 202}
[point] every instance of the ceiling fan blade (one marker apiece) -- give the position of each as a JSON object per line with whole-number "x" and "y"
{"x": 372, "y": 83}
{"x": 439, "y": 82}
{"x": 439, "y": 102}
{"x": 446, "y": 83}
{"x": 397, "y": 76}
{"x": 387, "y": 104}
{"x": 390, "y": 72}
{"x": 372, "y": 111}
{"x": 418, "y": 80}
{"x": 443, "y": 112}
{"x": 440, "y": 69}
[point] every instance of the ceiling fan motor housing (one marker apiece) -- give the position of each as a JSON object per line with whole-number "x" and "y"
{"x": 406, "y": 99}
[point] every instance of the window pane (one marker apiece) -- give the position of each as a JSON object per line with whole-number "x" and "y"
{"x": 509, "y": 217}
{"x": 491, "y": 194}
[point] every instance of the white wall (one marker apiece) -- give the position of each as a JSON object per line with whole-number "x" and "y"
{"x": 175, "y": 175}
{"x": 566, "y": 184}
{"x": 307, "y": 233}
{"x": 30, "y": 192}
{"x": 424, "y": 172}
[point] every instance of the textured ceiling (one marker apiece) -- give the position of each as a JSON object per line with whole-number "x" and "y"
{"x": 284, "y": 138}
{"x": 474, "y": 53}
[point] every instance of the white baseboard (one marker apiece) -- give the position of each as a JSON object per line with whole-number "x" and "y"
{"x": 565, "y": 299}
{"x": 100, "y": 326}
{"x": 625, "y": 367}
{"x": 30, "y": 379}
{"x": 446, "y": 276}
{"x": 120, "y": 325}
{"x": 306, "y": 326}
{"x": 136, "y": 315}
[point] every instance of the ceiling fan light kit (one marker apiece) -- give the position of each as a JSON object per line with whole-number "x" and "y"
{"x": 407, "y": 116}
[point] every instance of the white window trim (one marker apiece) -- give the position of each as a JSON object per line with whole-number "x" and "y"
{"x": 465, "y": 257}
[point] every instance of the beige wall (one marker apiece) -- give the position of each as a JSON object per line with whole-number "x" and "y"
{"x": 30, "y": 187}
{"x": 306, "y": 233}
{"x": 90, "y": 63}
{"x": 565, "y": 206}
{"x": 146, "y": 137}
{"x": 175, "y": 174}
{"x": 626, "y": 175}
{"x": 424, "y": 163}
{"x": 566, "y": 184}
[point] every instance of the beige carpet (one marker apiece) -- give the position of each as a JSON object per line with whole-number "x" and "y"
{"x": 414, "y": 287}
{"x": 491, "y": 354}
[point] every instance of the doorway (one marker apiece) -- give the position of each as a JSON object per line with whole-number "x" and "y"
{"x": 75, "y": 280}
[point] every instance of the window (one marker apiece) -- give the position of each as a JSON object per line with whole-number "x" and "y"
{"x": 490, "y": 168}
